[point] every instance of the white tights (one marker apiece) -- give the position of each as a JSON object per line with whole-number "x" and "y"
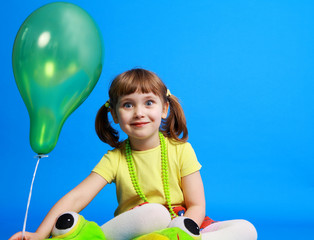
{"x": 230, "y": 230}
{"x": 153, "y": 217}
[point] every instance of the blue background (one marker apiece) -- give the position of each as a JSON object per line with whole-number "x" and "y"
{"x": 244, "y": 73}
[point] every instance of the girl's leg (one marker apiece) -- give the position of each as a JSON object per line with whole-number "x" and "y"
{"x": 230, "y": 230}
{"x": 138, "y": 221}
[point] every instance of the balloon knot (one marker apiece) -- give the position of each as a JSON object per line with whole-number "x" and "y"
{"x": 41, "y": 156}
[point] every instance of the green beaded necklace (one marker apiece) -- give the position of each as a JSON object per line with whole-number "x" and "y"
{"x": 164, "y": 172}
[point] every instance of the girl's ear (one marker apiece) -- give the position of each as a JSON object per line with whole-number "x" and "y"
{"x": 114, "y": 116}
{"x": 165, "y": 109}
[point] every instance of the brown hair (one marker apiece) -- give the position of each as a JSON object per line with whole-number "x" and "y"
{"x": 143, "y": 81}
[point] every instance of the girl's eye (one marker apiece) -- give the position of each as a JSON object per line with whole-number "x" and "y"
{"x": 149, "y": 103}
{"x": 127, "y": 105}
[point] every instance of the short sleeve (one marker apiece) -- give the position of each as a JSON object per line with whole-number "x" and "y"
{"x": 108, "y": 165}
{"x": 188, "y": 160}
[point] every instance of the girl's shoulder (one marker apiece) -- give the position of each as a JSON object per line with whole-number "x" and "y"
{"x": 116, "y": 152}
{"x": 178, "y": 145}
{"x": 184, "y": 155}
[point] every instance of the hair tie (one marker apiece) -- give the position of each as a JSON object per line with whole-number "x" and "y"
{"x": 107, "y": 104}
{"x": 168, "y": 93}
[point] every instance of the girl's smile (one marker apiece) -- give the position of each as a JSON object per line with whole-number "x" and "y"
{"x": 139, "y": 124}
{"x": 139, "y": 116}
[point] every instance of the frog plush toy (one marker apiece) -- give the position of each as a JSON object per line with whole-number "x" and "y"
{"x": 72, "y": 226}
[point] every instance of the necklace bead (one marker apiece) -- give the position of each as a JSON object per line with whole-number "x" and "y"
{"x": 164, "y": 172}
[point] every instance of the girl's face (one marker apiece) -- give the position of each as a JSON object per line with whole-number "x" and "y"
{"x": 139, "y": 116}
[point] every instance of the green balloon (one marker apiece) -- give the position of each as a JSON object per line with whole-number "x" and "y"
{"x": 57, "y": 60}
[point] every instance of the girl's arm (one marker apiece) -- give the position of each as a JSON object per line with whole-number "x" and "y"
{"x": 193, "y": 191}
{"x": 75, "y": 201}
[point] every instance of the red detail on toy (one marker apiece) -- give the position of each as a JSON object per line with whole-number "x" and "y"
{"x": 179, "y": 210}
{"x": 140, "y": 205}
{"x": 207, "y": 221}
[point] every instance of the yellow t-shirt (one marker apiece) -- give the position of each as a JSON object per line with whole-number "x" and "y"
{"x": 113, "y": 167}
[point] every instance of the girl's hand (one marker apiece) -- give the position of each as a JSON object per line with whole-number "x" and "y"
{"x": 27, "y": 236}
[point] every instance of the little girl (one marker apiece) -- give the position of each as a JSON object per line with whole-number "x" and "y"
{"x": 155, "y": 165}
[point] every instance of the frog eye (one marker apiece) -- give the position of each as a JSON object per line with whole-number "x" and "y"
{"x": 65, "y": 223}
{"x": 187, "y": 225}
{"x": 191, "y": 227}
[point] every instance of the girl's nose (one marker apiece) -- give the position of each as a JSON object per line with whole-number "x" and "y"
{"x": 139, "y": 112}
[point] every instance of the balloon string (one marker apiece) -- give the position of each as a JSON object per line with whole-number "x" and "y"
{"x": 30, "y": 194}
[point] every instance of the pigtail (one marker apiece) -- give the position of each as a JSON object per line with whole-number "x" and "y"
{"x": 175, "y": 124}
{"x": 104, "y": 130}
